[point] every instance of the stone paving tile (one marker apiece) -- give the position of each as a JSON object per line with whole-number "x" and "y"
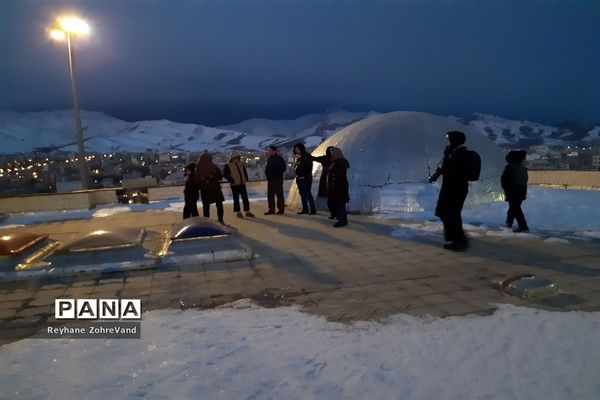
{"x": 356, "y": 273}
{"x": 458, "y": 308}
{"x": 438, "y": 298}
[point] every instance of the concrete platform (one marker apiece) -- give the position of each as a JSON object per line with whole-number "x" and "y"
{"x": 359, "y": 272}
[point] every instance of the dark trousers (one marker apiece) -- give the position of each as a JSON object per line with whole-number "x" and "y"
{"x": 515, "y": 212}
{"x": 206, "y": 210}
{"x": 333, "y": 208}
{"x": 240, "y": 190}
{"x": 190, "y": 209}
{"x": 305, "y": 190}
{"x": 453, "y": 231}
{"x": 275, "y": 188}
{"x": 340, "y": 212}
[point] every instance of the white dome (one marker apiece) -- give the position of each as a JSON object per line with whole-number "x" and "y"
{"x": 389, "y": 156}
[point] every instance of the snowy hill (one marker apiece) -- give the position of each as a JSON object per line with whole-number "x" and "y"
{"x": 24, "y": 132}
{"x": 323, "y": 125}
{"x": 509, "y": 133}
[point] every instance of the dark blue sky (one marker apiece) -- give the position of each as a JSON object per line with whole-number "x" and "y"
{"x": 220, "y": 61}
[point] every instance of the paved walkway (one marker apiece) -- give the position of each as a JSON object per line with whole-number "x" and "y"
{"x": 359, "y": 272}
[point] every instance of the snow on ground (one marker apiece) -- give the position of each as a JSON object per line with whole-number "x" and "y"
{"x": 281, "y": 353}
{"x": 554, "y": 212}
{"x": 22, "y": 219}
{"x": 551, "y": 213}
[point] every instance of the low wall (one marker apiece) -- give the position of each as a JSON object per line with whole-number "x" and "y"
{"x": 84, "y": 200}
{"x": 58, "y": 201}
{"x": 176, "y": 192}
{"x": 566, "y": 179}
{"x": 92, "y": 198}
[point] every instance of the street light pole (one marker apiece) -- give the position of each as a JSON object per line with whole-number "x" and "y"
{"x": 83, "y": 170}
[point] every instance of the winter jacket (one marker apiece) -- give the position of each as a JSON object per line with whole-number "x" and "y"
{"x": 275, "y": 168}
{"x": 208, "y": 176}
{"x": 304, "y": 164}
{"x": 514, "y": 178}
{"x": 191, "y": 190}
{"x": 235, "y": 172}
{"x": 337, "y": 180}
{"x": 325, "y": 162}
{"x": 455, "y": 185}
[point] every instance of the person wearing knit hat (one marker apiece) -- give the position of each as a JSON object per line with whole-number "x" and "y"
{"x": 514, "y": 182}
{"x": 454, "y": 190}
{"x": 191, "y": 193}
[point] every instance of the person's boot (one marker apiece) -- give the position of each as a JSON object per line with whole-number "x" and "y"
{"x": 240, "y": 215}
{"x": 270, "y": 212}
{"x": 302, "y": 212}
{"x": 222, "y": 222}
{"x": 457, "y": 245}
{"x": 249, "y": 214}
{"x": 313, "y": 212}
{"x": 521, "y": 230}
{"x": 280, "y": 212}
{"x": 339, "y": 224}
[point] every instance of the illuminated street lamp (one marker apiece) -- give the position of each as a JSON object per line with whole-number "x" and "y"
{"x": 67, "y": 28}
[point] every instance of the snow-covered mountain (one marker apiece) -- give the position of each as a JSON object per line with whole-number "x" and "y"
{"x": 25, "y": 132}
{"x": 509, "y": 133}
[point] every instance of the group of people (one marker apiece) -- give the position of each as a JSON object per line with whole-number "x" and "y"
{"x": 203, "y": 181}
{"x": 455, "y": 187}
{"x": 204, "y": 177}
{"x": 333, "y": 184}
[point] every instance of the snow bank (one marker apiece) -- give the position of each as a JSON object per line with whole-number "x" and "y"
{"x": 107, "y": 212}
{"x": 554, "y": 212}
{"x": 253, "y": 353}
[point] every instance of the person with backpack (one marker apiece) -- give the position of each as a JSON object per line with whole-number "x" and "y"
{"x": 208, "y": 177}
{"x": 191, "y": 193}
{"x": 514, "y": 182}
{"x": 337, "y": 186}
{"x": 303, "y": 169}
{"x": 456, "y": 169}
{"x": 235, "y": 172}
{"x": 325, "y": 161}
{"x": 274, "y": 170}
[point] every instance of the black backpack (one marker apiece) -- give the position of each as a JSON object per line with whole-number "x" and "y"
{"x": 472, "y": 165}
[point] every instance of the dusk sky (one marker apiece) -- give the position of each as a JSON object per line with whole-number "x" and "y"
{"x": 220, "y": 61}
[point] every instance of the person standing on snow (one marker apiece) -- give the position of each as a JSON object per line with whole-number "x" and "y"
{"x": 274, "y": 172}
{"x": 455, "y": 187}
{"x": 303, "y": 169}
{"x": 325, "y": 161}
{"x": 237, "y": 175}
{"x": 208, "y": 177}
{"x": 337, "y": 186}
{"x": 191, "y": 193}
{"x": 514, "y": 182}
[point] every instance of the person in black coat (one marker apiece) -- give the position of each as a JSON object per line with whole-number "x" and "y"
{"x": 191, "y": 193}
{"x": 514, "y": 182}
{"x": 453, "y": 193}
{"x": 303, "y": 171}
{"x": 274, "y": 172}
{"x": 325, "y": 161}
{"x": 208, "y": 176}
{"x": 337, "y": 186}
